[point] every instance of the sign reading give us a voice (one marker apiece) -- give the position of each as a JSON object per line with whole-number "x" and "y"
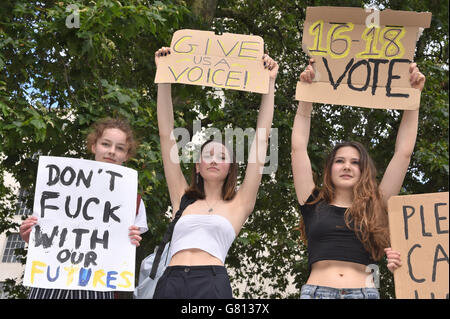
{"x": 230, "y": 61}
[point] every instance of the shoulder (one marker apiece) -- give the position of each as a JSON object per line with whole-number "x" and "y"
{"x": 312, "y": 199}
{"x": 311, "y": 203}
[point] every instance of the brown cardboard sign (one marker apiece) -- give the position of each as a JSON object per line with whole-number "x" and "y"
{"x": 230, "y": 61}
{"x": 418, "y": 226}
{"x": 362, "y": 57}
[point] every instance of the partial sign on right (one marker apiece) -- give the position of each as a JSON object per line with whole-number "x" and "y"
{"x": 362, "y": 56}
{"x": 418, "y": 226}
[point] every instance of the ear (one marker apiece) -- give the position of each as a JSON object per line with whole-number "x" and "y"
{"x": 93, "y": 148}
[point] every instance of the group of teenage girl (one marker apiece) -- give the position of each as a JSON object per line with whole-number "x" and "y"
{"x": 344, "y": 222}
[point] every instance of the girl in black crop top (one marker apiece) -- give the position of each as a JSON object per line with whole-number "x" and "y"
{"x": 345, "y": 222}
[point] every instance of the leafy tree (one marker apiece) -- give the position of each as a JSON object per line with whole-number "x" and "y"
{"x": 55, "y": 81}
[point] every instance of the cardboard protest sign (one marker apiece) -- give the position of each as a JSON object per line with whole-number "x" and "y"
{"x": 362, "y": 57}
{"x": 418, "y": 225}
{"x": 230, "y": 61}
{"x": 84, "y": 210}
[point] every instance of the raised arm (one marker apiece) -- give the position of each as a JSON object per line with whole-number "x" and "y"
{"x": 301, "y": 164}
{"x": 246, "y": 196}
{"x": 176, "y": 181}
{"x": 404, "y": 146}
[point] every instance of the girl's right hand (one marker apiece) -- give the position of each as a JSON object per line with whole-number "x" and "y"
{"x": 26, "y": 227}
{"x": 160, "y": 53}
{"x": 309, "y": 74}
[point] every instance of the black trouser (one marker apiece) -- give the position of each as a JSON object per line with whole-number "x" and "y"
{"x": 194, "y": 282}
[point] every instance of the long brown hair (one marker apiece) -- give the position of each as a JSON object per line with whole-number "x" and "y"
{"x": 197, "y": 188}
{"x": 368, "y": 214}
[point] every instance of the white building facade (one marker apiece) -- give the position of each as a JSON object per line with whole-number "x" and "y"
{"x": 10, "y": 264}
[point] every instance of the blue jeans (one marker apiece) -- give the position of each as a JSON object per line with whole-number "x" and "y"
{"x": 321, "y": 292}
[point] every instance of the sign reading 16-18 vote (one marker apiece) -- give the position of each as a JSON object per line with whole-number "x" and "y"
{"x": 84, "y": 209}
{"x": 362, "y": 56}
{"x": 230, "y": 61}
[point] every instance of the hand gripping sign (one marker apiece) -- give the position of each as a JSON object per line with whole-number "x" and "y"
{"x": 418, "y": 226}
{"x": 230, "y": 61}
{"x": 362, "y": 57}
{"x": 84, "y": 210}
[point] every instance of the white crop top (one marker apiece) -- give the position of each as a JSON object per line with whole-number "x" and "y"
{"x": 211, "y": 233}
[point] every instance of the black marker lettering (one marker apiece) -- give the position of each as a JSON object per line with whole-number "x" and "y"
{"x": 86, "y": 205}
{"x": 410, "y": 270}
{"x": 43, "y": 239}
{"x": 376, "y": 63}
{"x": 392, "y": 77}
{"x": 79, "y": 234}
{"x": 406, "y": 217}
{"x": 108, "y": 212}
{"x": 439, "y": 218}
{"x": 111, "y": 181}
{"x": 330, "y": 76}
{"x": 67, "y": 210}
{"x": 95, "y": 240}
{"x": 422, "y": 220}
{"x": 86, "y": 180}
{"x": 71, "y": 176}
{"x": 353, "y": 68}
{"x": 439, "y": 248}
{"x": 52, "y": 180}
{"x": 44, "y": 197}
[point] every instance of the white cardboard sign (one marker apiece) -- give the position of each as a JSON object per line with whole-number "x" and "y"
{"x": 84, "y": 210}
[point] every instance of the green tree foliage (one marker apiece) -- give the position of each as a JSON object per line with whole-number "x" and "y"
{"x": 55, "y": 81}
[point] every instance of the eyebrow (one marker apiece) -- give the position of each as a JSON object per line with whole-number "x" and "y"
{"x": 342, "y": 157}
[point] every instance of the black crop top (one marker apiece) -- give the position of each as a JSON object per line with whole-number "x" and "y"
{"x": 328, "y": 236}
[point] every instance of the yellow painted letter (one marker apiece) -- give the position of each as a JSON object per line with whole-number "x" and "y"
{"x": 98, "y": 277}
{"x": 71, "y": 271}
{"x": 35, "y": 270}
{"x": 124, "y": 275}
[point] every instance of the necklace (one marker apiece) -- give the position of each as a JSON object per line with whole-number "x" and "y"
{"x": 211, "y": 208}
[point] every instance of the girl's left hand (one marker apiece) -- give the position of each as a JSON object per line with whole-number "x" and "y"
{"x": 393, "y": 259}
{"x": 135, "y": 235}
{"x": 416, "y": 78}
{"x": 271, "y": 65}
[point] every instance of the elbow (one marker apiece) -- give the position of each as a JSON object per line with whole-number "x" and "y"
{"x": 403, "y": 155}
{"x": 297, "y": 146}
{"x": 404, "y": 152}
{"x": 165, "y": 133}
{"x": 299, "y": 142}
{"x": 249, "y": 207}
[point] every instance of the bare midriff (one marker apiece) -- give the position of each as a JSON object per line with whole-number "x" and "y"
{"x": 340, "y": 274}
{"x": 194, "y": 257}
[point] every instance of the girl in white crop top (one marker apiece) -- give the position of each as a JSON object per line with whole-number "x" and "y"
{"x": 207, "y": 228}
